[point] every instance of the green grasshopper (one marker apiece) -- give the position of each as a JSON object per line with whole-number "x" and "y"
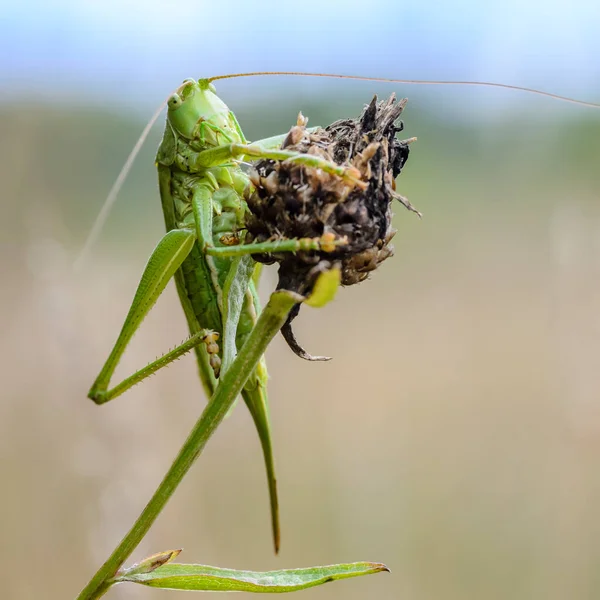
{"x": 203, "y": 191}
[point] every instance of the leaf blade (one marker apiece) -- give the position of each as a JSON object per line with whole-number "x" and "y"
{"x": 206, "y": 578}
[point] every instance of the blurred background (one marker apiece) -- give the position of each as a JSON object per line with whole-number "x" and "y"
{"x": 456, "y": 434}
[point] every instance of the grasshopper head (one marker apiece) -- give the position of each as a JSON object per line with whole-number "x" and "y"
{"x": 196, "y": 102}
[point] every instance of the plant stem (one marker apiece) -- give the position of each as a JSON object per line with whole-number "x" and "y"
{"x": 269, "y": 323}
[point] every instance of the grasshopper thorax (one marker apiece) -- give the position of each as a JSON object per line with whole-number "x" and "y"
{"x": 197, "y": 114}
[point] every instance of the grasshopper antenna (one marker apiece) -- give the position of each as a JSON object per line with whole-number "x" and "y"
{"x": 506, "y": 86}
{"x": 114, "y": 192}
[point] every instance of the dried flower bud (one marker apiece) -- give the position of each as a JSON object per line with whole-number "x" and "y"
{"x": 291, "y": 200}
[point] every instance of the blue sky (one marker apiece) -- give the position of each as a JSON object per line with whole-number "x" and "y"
{"x": 126, "y": 52}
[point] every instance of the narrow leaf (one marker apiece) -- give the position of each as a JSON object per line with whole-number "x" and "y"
{"x": 204, "y": 578}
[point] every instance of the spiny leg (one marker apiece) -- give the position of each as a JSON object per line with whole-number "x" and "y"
{"x": 328, "y": 242}
{"x": 166, "y": 258}
{"x": 205, "y": 336}
{"x": 217, "y": 156}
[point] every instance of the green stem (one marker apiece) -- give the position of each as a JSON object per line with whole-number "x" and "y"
{"x": 269, "y": 323}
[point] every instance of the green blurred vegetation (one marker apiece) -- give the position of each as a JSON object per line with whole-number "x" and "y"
{"x": 455, "y": 436}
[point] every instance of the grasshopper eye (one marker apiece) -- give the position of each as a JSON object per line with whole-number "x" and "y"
{"x": 175, "y": 101}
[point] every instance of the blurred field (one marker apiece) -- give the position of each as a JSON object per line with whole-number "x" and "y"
{"x": 455, "y": 436}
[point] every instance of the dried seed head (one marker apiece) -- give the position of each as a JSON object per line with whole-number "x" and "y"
{"x": 295, "y": 201}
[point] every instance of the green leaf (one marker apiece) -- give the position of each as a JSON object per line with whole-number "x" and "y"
{"x": 204, "y": 578}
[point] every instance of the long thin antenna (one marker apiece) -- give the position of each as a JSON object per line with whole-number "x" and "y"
{"x": 506, "y": 86}
{"x": 114, "y": 192}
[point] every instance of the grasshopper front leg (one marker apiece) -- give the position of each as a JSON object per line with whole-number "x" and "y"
{"x": 222, "y": 154}
{"x": 328, "y": 242}
{"x": 167, "y": 257}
